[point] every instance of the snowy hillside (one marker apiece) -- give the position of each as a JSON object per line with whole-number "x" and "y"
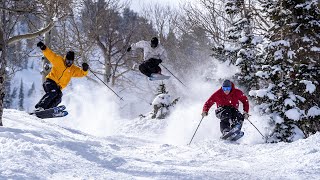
{"x": 99, "y": 139}
{"x": 32, "y": 148}
{"x": 268, "y": 49}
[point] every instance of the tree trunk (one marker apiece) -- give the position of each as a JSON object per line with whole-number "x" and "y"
{"x": 2, "y": 88}
{"x": 107, "y": 67}
{"x": 113, "y": 80}
{"x": 3, "y": 65}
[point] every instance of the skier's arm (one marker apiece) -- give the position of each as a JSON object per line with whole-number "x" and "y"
{"x": 243, "y": 98}
{"x": 140, "y": 44}
{"x": 209, "y": 103}
{"x": 78, "y": 72}
{"x": 51, "y": 56}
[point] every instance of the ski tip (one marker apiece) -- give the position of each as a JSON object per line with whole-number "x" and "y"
{"x": 65, "y": 113}
{"x": 62, "y": 107}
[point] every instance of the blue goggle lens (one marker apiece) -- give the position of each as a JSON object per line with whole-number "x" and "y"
{"x": 226, "y": 88}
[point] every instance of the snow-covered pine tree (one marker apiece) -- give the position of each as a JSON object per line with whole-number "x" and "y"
{"x": 32, "y": 65}
{"x": 291, "y": 70}
{"x": 241, "y": 36}
{"x": 162, "y": 89}
{"x": 31, "y": 90}
{"x": 14, "y": 93}
{"x": 21, "y": 96}
{"x": 162, "y": 103}
{"x": 304, "y": 31}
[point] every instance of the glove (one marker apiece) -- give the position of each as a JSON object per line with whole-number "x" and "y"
{"x": 246, "y": 115}
{"x": 85, "y": 66}
{"x": 129, "y": 49}
{"x": 204, "y": 113}
{"x": 41, "y": 45}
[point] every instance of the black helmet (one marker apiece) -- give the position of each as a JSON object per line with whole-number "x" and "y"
{"x": 70, "y": 55}
{"x": 69, "y": 58}
{"x": 154, "y": 42}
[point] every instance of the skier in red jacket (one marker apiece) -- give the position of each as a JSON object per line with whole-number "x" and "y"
{"x": 227, "y": 99}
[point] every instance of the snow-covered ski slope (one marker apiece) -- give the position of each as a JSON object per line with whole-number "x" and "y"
{"x": 33, "y": 148}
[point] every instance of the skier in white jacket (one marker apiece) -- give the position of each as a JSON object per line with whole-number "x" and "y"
{"x": 153, "y": 55}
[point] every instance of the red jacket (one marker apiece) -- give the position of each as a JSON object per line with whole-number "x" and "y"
{"x": 232, "y": 99}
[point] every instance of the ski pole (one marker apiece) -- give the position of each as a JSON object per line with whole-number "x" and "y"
{"x": 106, "y": 84}
{"x": 26, "y": 54}
{"x": 195, "y": 131}
{"x": 173, "y": 75}
{"x": 256, "y": 129}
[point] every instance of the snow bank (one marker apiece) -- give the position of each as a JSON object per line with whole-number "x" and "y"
{"x": 32, "y": 148}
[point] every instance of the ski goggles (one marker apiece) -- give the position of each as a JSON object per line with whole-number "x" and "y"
{"x": 226, "y": 88}
{"x": 69, "y": 62}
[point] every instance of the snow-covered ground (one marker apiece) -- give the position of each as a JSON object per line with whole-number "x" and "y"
{"x": 31, "y": 148}
{"x": 102, "y": 138}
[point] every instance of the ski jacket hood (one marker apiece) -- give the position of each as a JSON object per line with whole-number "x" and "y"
{"x": 232, "y": 99}
{"x": 60, "y": 73}
{"x": 149, "y": 52}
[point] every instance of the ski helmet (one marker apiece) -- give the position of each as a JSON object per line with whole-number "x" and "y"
{"x": 154, "y": 42}
{"x": 69, "y": 58}
{"x": 226, "y": 85}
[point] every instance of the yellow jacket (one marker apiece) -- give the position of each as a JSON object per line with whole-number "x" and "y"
{"x": 60, "y": 73}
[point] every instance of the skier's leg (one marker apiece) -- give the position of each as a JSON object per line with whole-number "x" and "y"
{"x": 45, "y": 100}
{"x": 224, "y": 126}
{"x": 56, "y": 101}
{"x": 224, "y": 114}
{"x": 237, "y": 117}
{"x": 152, "y": 62}
{"x": 144, "y": 69}
{"x": 157, "y": 69}
{"x": 153, "y": 65}
{"x": 44, "y": 85}
{"x": 51, "y": 89}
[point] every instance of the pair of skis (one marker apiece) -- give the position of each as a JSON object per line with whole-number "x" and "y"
{"x": 54, "y": 112}
{"x": 234, "y": 134}
{"x": 157, "y": 76}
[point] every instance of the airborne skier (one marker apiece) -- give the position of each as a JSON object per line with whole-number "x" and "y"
{"x": 153, "y": 55}
{"x": 227, "y": 99}
{"x": 58, "y": 78}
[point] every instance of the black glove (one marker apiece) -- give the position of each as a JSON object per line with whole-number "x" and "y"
{"x": 85, "y": 66}
{"x": 246, "y": 115}
{"x": 41, "y": 45}
{"x": 129, "y": 49}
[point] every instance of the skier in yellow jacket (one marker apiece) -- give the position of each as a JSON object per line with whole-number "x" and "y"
{"x": 60, "y": 75}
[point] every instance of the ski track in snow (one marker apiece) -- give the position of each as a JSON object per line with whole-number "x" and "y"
{"x": 32, "y": 148}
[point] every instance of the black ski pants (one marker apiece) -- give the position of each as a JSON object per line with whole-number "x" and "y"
{"x": 229, "y": 117}
{"x": 150, "y": 66}
{"x": 52, "y": 97}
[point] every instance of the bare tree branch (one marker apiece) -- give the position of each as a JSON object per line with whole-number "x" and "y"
{"x": 17, "y": 38}
{"x": 17, "y": 10}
